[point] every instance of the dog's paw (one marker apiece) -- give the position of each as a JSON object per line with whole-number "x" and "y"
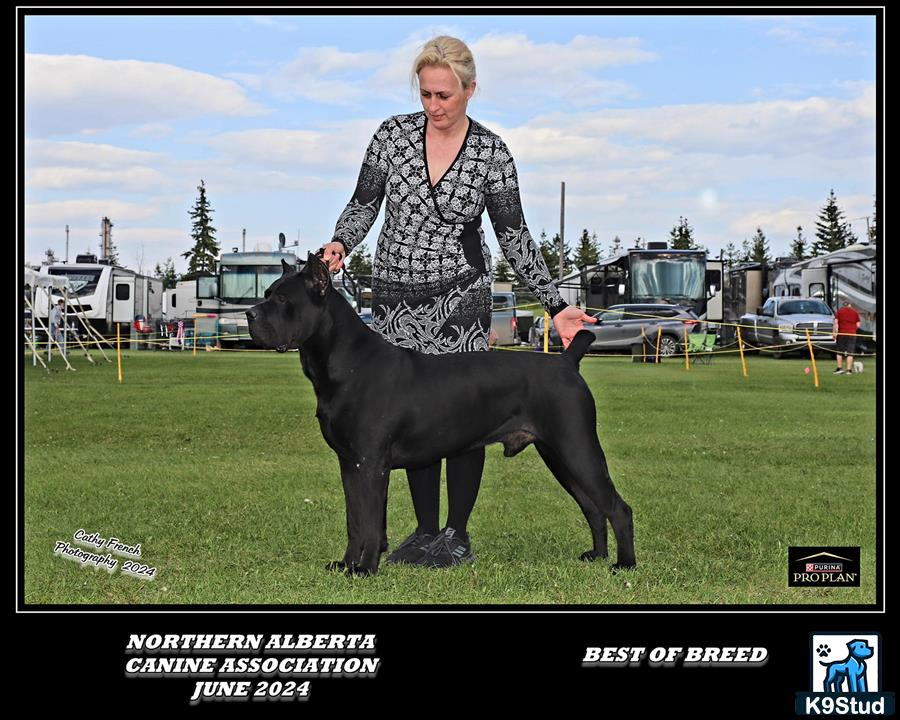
{"x": 359, "y": 571}
{"x": 592, "y": 555}
{"x": 336, "y": 566}
{"x": 622, "y": 566}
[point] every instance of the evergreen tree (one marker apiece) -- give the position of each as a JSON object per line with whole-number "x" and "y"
{"x": 639, "y": 243}
{"x": 588, "y": 252}
{"x": 51, "y": 256}
{"x": 502, "y": 271}
{"x": 798, "y": 247}
{"x": 360, "y": 264}
{"x": 166, "y": 272}
{"x": 681, "y": 236}
{"x": 202, "y": 257}
{"x": 832, "y": 231}
{"x": 873, "y": 228}
{"x": 760, "y": 250}
{"x": 616, "y": 246}
{"x": 550, "y": 250}
{"x": 730, "y": 255}
{"x": 745, "y": 251}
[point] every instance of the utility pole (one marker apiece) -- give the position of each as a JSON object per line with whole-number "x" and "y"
{"x": 105, "y": 233}
{"x": 67, "y": 244}
{"x": 562, "y": 226}
{"x": 244, "y": 245}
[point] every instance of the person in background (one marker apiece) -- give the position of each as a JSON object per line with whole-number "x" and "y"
{"x": 846, "y": 323}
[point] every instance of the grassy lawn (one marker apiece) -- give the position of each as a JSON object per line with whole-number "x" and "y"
{"x": 216, "y": 466}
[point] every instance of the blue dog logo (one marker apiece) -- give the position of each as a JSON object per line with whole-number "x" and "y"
{"x": 852, "y": 670}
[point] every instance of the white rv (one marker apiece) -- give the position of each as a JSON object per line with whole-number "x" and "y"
{"x": 107, "y": 294}
{"x": 847, "y": 274}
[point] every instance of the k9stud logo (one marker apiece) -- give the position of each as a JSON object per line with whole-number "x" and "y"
{"x": 845, "y": 676}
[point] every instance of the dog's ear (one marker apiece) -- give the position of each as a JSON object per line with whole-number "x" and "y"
{"x": 285, "y": 267}
{"x": 319, "y": 274}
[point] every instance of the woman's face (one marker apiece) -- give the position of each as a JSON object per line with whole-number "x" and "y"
{"x": 443, "y": 100}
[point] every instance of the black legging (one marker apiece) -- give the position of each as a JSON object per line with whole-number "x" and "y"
{"x": 463, "y": 482}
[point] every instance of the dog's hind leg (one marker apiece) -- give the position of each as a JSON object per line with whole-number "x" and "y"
{"x": 596, "y": 519}
{"x": 587, "y": 464}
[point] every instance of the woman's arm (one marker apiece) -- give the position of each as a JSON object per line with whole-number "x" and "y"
{"x": 504, "y": 206}
{"x": 359, "y": 215}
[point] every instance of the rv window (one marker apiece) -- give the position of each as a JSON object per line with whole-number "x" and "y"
{"x": 174, "y": 304}
{"x": 122, "y": 292}
{"x": 817, "y": 290}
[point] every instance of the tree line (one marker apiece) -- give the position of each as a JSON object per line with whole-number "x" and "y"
{"x": 832, "y": 232}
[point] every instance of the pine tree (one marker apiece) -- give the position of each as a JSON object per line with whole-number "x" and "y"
{"x": 202, "y": 257}
{"x": 730, "y": 254}
{"x": 502, "y": 271}
{"x": 873, "y": 228}
{"x": 51, "y": 256}
{"x": 745, "y": 251}
{"x": 616, "y": 246}
{"x": 681, "y": 236}
{"x": 550, "y": 250}
{"x": 166, "y": 272}
{"x": 588, "y": 252}
{"x": 832, "y": 231}
{"x": 639, "y": 243}
{"x": 760, "y": 250}
{"x": 798, "y": 247}
{"x": 360, "y": 264}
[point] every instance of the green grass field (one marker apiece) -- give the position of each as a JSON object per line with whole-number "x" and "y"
{"x": 216, "y": 466}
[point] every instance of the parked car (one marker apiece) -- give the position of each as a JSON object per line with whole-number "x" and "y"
{"x": 621, "y": 326}
{"x": 782, "y": 323}
{"x": 503, "y": 318}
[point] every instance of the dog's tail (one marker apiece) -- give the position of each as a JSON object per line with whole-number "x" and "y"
{"x": 578, "y": 347}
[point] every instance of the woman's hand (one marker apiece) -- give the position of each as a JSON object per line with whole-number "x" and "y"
{"x": 333, "y": 255}
{"x": 569, "y": 321}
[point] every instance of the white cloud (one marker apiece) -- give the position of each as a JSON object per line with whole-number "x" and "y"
{"x": 512, "y": 70}
{"x": 336, "y": 148}
{"x": 134, "y": 179}
{"x": 74, "y": 211}
{"x": 78, "y": 93}
{"x": 80, "y": 154}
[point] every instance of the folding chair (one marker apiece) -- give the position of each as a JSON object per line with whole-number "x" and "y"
{"x": 700, "y": 347}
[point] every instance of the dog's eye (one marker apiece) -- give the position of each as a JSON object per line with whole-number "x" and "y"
{"x": 281, "y": 298}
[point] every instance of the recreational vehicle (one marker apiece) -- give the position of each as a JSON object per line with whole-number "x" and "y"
{"x": 107, "y": 294}
{"x": 658, "y": 275}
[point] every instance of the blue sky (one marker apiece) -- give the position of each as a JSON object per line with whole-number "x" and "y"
{"x": 734, "y": 122}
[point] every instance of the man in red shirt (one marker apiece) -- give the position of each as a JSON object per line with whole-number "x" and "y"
{"x": 846, "y": 323}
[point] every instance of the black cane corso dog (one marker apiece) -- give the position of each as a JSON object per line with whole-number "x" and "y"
{"x": 382, "y": 407}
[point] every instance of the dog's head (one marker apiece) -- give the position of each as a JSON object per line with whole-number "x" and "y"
{"x": 860, "y": 649}
{"x": 293, "y": 306}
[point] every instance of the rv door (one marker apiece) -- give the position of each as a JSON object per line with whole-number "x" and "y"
{"x": 123, "y": 299}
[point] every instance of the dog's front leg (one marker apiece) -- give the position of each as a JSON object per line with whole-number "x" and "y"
{"x": 365, "y": 493}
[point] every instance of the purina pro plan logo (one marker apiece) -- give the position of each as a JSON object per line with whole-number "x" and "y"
{"x": 823, "y": 567}
{"x": 845, "y": 676}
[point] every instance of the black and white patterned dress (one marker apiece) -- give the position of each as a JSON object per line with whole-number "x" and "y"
{"x": 431, "y": 284}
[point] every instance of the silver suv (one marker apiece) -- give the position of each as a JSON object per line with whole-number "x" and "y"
{"x": 622, "y": 326}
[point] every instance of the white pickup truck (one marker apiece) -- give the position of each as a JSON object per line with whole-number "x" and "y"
{"x": 781, "y": 323}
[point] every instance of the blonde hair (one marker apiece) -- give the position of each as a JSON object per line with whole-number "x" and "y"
{"x": 448, "y": 52}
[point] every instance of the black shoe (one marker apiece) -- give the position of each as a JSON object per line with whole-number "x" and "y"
{"x": 412, "y": 550}
{"x": 839, "y": 371}
{"x": 447, "y": 549}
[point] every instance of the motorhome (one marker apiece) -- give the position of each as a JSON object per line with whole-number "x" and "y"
{"x": 658, "y": 275}
{"x": 107, "y": 294}
{"x": 843, "y": 275}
